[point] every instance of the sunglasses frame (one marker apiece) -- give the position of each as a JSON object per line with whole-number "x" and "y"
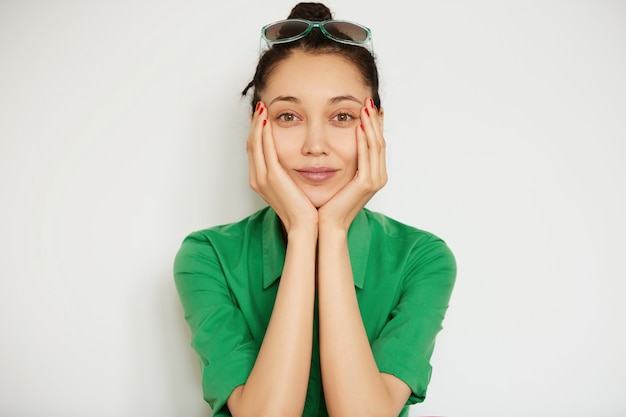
{"x": 267, "y": 43}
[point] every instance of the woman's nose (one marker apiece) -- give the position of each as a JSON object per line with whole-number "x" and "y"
{"x": 315, "y": 142}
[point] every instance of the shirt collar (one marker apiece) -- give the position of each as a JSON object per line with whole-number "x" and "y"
{"x": 274, "y": 247}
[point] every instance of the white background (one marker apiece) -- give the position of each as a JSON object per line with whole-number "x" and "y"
{"x": 122, "y": 130}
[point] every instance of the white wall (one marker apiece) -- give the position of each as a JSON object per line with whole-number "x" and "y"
{"x": 121, "y": 130}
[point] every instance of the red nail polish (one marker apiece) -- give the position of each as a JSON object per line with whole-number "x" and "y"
{"x": 258, "y": 104}
{"x": 367, "y": 111}
{"x": 362, "y": 128}
{"x": 264, "y": 122}
{"x": 372, "y": 103}
{"x": 261, "y": 112}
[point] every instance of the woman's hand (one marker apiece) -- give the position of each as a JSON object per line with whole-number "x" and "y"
{"x": 371, "y": 173}
{"x": 271, "y": 182}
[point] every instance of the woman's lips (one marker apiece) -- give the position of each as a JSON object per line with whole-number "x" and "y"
{"x": 317, "y": 174}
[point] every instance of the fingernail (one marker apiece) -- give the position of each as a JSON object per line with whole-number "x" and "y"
{"x": 258, "y": 104}
{"x": 362, "y": 128}
{"x": 261, "y": 111}
{"x": 264, "y": 122}
{"x": 373, "y": 105}
{"x": 367, "y": 111}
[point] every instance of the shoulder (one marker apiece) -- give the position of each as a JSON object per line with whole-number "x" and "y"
{"x": 387, "y": 227}
{"x": 418, "y": 244}
{"x": 229, "y": 231}
{"x": 222, "y": 240}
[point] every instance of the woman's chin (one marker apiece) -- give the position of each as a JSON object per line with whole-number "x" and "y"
{"x": 318, "y": 199}
{"x": 320, "y": 195}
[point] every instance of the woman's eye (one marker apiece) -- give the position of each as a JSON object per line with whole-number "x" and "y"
{"x": 343, "y": 117}
{"x": 287, "y": 117}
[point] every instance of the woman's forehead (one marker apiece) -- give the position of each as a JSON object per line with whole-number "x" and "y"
{"x": 327, "y": 77}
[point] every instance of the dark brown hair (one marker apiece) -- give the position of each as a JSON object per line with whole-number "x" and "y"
{"x": 314, "y": 43}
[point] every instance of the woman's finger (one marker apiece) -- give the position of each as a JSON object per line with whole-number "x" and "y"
{"x": 376, "y": 143}
{"x": 269, "y": 148}
{"x": 255, "y": 145}
{"x": 371, "y": 139}
{"x": 363, "y": 151}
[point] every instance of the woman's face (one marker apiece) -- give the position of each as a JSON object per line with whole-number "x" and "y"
{"x": 314, "y": 104}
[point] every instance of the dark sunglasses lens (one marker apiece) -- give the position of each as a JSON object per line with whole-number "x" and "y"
{"x": 346, "y": 31}
{"x": 285, "y": 30}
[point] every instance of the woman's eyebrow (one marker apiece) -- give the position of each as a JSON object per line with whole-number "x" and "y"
{"x": 290, "y": 99}
{"x": 332, "y": 100}
{"x": 337, "y": 99}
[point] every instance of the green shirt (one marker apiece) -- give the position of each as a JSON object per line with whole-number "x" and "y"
{"x": 227, "y": 279}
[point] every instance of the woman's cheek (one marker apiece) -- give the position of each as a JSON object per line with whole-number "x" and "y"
{"x": 285, "y": 145}
{"x": 347, "y": 142}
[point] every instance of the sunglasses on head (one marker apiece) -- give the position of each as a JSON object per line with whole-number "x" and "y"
{"x": 291, "y": 30}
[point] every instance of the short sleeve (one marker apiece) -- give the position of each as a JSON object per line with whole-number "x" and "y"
{"x": 406, "y": 343}
{"x": 220, "y": 334}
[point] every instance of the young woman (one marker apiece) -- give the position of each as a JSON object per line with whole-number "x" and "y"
{"x": 314, "y": 305}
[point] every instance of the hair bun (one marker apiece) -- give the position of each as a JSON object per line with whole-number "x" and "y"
{"x": 316, "y": 12}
